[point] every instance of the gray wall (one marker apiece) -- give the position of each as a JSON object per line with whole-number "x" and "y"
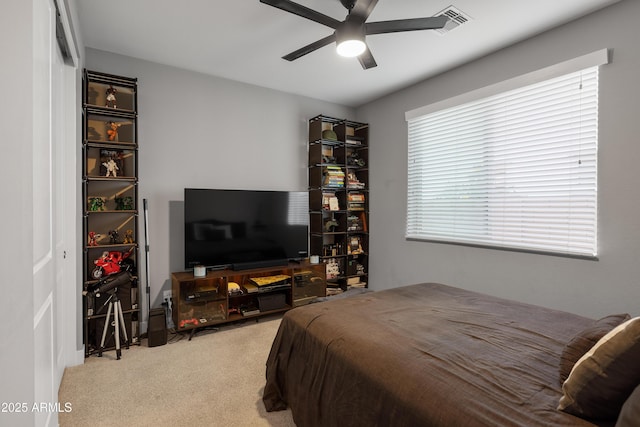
{"x": 591, "y": 288}
{"x": 206, "y": 132}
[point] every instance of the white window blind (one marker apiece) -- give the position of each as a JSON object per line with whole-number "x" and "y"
{"x": 513, "y": 170}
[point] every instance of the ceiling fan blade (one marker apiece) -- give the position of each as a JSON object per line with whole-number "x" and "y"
{"x": 366, "y": 59}
{"x": 399, "y": 25}
{"x": 303, "y": 11}
{"x": 310, "y": 48}
{"x": 361, "y": 10}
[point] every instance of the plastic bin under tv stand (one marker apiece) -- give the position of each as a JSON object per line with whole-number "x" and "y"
{"x": 200, "y": 302}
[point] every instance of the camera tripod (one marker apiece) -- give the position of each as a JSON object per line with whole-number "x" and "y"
{"x": 118, "y": 321}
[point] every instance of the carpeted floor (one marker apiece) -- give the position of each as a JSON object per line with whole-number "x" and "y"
{"x": 216, "y": 379}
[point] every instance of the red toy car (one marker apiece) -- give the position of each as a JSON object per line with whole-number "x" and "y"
{"x": 186, "y": 322}
{"x": 112, "y": 262}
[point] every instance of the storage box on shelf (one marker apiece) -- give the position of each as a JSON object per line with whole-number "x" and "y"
{"x": 224, "y": 296}
{"x": 339, "y": 199}
{"x": 110, "y": 195}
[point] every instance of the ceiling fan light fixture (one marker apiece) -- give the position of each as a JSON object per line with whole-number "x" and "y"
{"x": 351, "y": 48}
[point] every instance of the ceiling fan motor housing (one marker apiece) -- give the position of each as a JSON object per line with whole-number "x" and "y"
{"x": 350, "y": 39}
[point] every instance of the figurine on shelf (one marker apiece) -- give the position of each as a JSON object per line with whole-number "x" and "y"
{"x": 112, "y": 132}
{"x": 124, "y": 203}
{"x": 354, "y": 159}
{"x": 93, "y": 238}
{"x": 328, "y": 159}
{"x": 330, "y": 225}
{"x": 113, "y": 237}
{"x": 111, "y": 97}
{"x": 112, "y": 168}
{"x": 355, "y": 246}
{"x": 333, "y": 269}
{"x": 128, "y": 236}
{"x": 96, "y": 204}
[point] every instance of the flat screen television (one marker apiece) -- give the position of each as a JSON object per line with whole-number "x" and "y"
{"x": 242, "y": 229}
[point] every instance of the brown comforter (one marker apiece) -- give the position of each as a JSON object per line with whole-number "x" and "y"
{"x": 421, "y": 355}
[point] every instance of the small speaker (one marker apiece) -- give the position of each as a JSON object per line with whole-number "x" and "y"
{"x": 157, "y": 330}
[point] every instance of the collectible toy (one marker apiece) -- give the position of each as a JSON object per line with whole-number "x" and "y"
{"x": 354, "y": 159}
{"x": 96, "y": 204}
{"x": 112, "y": 132}
{"x": 124, "y": 203}
{"x": 93, "y": 238}
{"x": 113, "y": 237}
{"x": 128, "y": 236}
{"x": 111, "y": 262}
{"x": 111, "y": 97}
{"x": 112, "y": 168}
{"x": 330, "y": 225}
{"x": 186, "y": 322}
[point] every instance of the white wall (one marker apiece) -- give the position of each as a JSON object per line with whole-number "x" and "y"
{"x": 16, "y": 254}
{"x": 207, "y": 132}
{"x": 591, "y": 288}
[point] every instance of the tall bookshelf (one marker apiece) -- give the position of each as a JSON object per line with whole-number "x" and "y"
{"x": 339, "y": 200}
{"x": 110, "y": 204}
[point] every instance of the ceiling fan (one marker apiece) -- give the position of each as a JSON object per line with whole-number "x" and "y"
{"x": 349, "y": 34}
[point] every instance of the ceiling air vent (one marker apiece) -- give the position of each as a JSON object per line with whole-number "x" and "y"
{"x": 456, "y": 18}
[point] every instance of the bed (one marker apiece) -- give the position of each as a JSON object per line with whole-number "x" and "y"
{"x": 432, "y": 355}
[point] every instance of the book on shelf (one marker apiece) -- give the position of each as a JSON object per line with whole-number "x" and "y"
{"x": 356, "y": 197}
{"x": 333, "y": 291}
{"x": 330, "y": 201}
{"x": 356, "y": 201}
{"x": 250, "y": 288}
{"x": 353, "y": 281}
{"x": 334, "y": 177}
{"x": 358, "y": 285}
{"x": 355, "y": 223}
{"x": 332, "y": 249}
{"x": 353, "y": 182}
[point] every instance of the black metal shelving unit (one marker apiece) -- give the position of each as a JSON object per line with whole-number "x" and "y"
{"x": 110, "y": 201}
{"x": 339, "y": 200}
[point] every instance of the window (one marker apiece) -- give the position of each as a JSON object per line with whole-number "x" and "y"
{"x": 516, "y": 169}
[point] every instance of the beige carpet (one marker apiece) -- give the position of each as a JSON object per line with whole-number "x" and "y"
{"x": 216, "y": 379}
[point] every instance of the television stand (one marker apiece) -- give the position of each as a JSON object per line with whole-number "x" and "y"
{"x": 259, "y": 264}
{"x": 201, "y": 302}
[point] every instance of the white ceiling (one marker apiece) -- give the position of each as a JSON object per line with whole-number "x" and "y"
{"x": 244, "y": 40}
